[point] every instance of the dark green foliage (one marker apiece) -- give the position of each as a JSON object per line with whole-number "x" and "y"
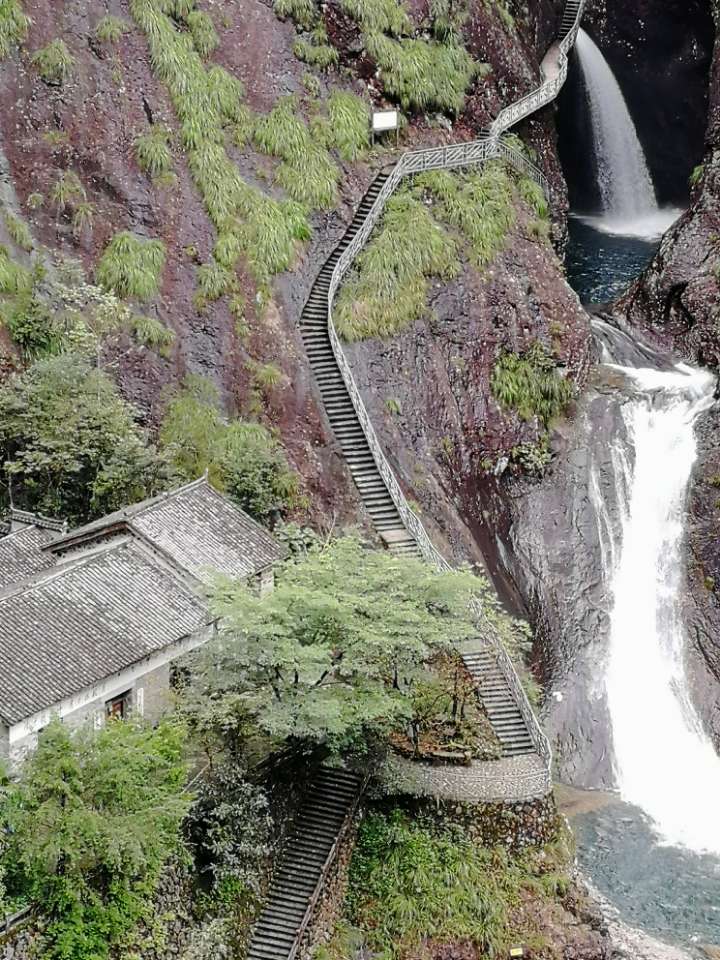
{"x": 88, "y": 825}
{"x": 228, "y": 829}
{"x": 13, "y": 26}
{"x": 388, "y": 289}
{"x": 69, "y": 444}
{"x": 331, "y": 655}
{"x": 243, "y": 459}
{"x": 414, "y": 880}
{"x": 530, "y": 384}
{"x": 54, "y": 62}
{"x": 132, "y": 266}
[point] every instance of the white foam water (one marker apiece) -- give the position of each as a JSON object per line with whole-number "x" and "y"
{"x": 664, "y": 761}
{"x": 626, "y": 188}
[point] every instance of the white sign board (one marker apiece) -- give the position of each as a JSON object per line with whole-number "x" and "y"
{"x": 384, "y": 120}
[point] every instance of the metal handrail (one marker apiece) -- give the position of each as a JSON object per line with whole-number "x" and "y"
{"x": 464, "y": 154}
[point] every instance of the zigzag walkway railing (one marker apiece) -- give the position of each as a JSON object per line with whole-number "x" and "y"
{"x": 448, "y": 157}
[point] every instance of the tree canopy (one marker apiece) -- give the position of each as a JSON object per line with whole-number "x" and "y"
{"x": 87, "y": 827}
{"x": 331, "y": 656}
{"x": 69, "y": 443}
{"x": 243, "y": 459}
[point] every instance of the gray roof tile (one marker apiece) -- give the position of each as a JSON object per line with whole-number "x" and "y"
{"x": 201, "y": 531}
{"x": 80, "y": 622}
{"x": 21, "y": 554}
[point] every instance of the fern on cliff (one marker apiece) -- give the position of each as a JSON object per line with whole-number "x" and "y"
{"x": 13, "y": 26}
{"x": 132, "y": 266}
{"x": 389, "y": 287}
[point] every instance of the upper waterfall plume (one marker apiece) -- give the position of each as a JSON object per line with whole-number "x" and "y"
{"x": 626, "y": 188}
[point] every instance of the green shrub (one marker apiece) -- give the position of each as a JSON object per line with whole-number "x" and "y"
{"x": 111, "y": 29}
{"x": 153, "y": 333}
{"x": 14, "y": 278}
{"x": 202, "y": 30}
{"x": 214, "y": 281}
{"x": 530, "y": 385}
{"x": 70, "y": 443}
{"x": 19, "y": 232}
{"x": 388, "y": 289}
{"x": 315, "y": 54}
{"x": 423, "y": 74}
{"x": 152, "y": 151}
{"x": 303, "y": 12}
{"x": 380, "y": 16}
{"x": 13, "y": 26}
{"x": 54, "y": 62}
{"x": 206, "y": 104}
{"x": 410, "y": 881}
{"x": 244, "y": 459}
{"x": 132, "y": 266}
{"x": 697, "y": 175}
{"x": 349, "y": 124}
{"x": 67, "y": 189}
{"x": 92, "y": 818}
{"x": 311, "y": 84}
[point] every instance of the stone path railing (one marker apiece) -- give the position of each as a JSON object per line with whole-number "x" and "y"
{"x": 453, "y": 156}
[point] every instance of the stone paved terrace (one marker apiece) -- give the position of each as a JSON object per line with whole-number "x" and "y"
{"x": 511, "y": 779}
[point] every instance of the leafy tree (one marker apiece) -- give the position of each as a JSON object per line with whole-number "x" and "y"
{"x": 88, "y": 826}
{"x": 332, "y": 654}
{"x": 228, "y": 826}
{"x": 69, "y": 444}
{"x": 243, "y": 459}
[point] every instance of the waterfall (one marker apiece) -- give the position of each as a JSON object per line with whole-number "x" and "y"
{"x": 626, "y": 189}
{"x": 664, "y": 762}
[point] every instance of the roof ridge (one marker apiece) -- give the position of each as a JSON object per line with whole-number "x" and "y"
{"x": 38, "y": 520}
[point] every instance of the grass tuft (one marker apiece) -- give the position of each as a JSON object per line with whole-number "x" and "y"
{"x": 302, "y": 12}
{"x": 389, "y": 288}
{"x": 67, "y": 189}
{"x": 14, "y": 278}
{"x": 131, "y": 266}
{"x": 316, "y": 52}
{"x": 13, "y": 26}
{"x": 532, "y": 193}
{"x": 19, "y": 232}
{"x": 380, "y": 16}
{"x": 206, "y": 104}
{"x": 54, "y": 62}
{"x": 479, "y": 204}
{"x": 111, "y": 29}
{"x": 83, "y": 217}
{"x": 307, "y": 173}
{"x": 202, "y": 30}
{"x": 152, "y": 151}
{"x": 423, "y": 74}
{"x": 349, "y": 126}
{"x": 530, "y": 385}
{"x": 152, "y": 333}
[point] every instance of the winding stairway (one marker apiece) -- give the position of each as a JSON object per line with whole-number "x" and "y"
{"x": 309, "y": 854}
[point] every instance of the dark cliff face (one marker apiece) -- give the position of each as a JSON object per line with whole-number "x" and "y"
{"x": 661, "y": 52}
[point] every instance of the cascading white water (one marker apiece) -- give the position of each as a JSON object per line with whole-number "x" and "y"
{"x": 664, "y": 762}
{"x": 625, "y": 184}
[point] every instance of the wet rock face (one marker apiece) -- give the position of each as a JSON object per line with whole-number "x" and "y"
{"x": 660, "y": 52}
{"x": 429, "y": 396}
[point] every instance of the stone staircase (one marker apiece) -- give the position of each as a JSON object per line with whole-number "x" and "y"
{"x": 337, "y": 401}
{"x": 569, "y": 17}
{"x": 303, "y": 865}
{"x": 500, "y": 703}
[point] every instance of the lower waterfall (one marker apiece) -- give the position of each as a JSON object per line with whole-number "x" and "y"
{"x": 664, "y": 762}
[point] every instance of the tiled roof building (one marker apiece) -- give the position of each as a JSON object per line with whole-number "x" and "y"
{"x": 90, "y": 619}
